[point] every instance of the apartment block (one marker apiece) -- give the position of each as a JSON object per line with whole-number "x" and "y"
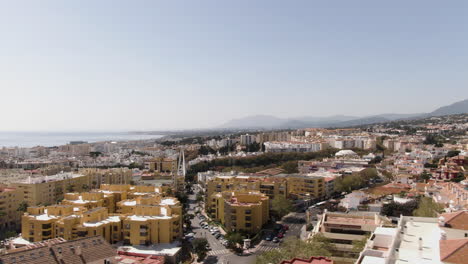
{"x": 162, "y": 165}
{"x": 50, "y": 189}
{"x": 247, "y": 139}
{"x": 419, "y": 240}
{"x": 145, "y": 218}
{"x": 246, "y": 211}
{"x": 303, "y": 186}
{"x": 10, "y": 200}
{"x": 342, "y": 229}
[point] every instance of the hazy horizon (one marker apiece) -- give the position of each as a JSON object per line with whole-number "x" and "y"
{"x": 143, "y": 66}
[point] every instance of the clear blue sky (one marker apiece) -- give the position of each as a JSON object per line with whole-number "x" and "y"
{"x": 118, "y": 65}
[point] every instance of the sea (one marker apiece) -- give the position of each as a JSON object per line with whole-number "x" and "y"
{"x": 50, "y": 139}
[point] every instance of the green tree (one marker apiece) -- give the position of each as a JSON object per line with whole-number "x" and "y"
{"x": 453, "y": 153}
{"x": 85, "y": 187}
{"x": 428, "y": 208}
{"x": 95, "y": 154}
{"x": 23, "y": 207}
{"x": 460, "y": 177}
{"x": 282, "y": 206}
{"x": 199, "y": 197}
{"x": 317, "y": 246}
{"x": 290, "y": 166}
{"x": 425, "y": 176}
{"x": 200, "y": 247}
{"x": 71, "y": 188}
{"x": 234, "y": 239}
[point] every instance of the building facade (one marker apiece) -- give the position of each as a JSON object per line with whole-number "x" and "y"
{"x": 116, "y": 212}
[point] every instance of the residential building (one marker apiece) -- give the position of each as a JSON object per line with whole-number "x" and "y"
{"x": 140, "y": 218}
{"x": 84, "y": 250}
{"x": 353, "y": 200}
{"x": 342, "y": 229}
{"x": 108, "y": 176}
{"x": 289, "y": 146}
{"x": 273, "y": 136}
{"x": 10, "y": 200}
{"x": 241, "y": 211}
{"x": 162, "y": 165}
{"x": 452, "y": 194}
{"x": 50, "y": 189}
{"x": 304, "y": 186}
{"x": 419, "y": 240}
{"x": 247, "y": 139}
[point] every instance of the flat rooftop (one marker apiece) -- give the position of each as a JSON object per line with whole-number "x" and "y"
{"x": 349, "y": 220}
{"x": 408, "y": 250}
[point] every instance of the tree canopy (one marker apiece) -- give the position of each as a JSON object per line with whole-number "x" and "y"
{"x": 281, "y": 205}
{"x": 296, "y": 248}
{"x": 428, "y": 208}
{"x": 199, "y": 247}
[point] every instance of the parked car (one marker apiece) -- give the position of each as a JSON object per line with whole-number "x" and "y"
{"x": 269, "y": 237}
{"x": 285, "y": 227}
{"x": 218, "y": 235}
{"x": 280, "y": 235}
{"x": 276, "y": 240}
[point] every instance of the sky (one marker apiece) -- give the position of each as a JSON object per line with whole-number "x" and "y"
{"x": 149, "y": 65}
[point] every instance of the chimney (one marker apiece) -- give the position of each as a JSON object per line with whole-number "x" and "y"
{"x": 78, "y": 250}
{"x": 420, "y": 243}
{"x": 443, "y": 235}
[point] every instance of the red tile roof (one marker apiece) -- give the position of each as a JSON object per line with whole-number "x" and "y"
{"x": 454, "y": 251}
{"x": 457, "y": 220}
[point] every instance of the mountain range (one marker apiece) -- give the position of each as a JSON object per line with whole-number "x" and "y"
{"x": 272, "y": 122}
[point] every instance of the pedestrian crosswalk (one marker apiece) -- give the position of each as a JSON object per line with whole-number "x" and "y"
{"x": 265, "y": 248}
{"x": 218, "y": 252}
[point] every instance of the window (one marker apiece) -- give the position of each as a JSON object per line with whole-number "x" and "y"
{"x": 248, "y": 211}
{"x": 248, "y": 224}
{"x": 82, "y": 233}
{"x": 247, "y": 218}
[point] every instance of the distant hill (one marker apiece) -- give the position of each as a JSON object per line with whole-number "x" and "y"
{"x": 453, "y": 109}
{"x": 272, "y": 122}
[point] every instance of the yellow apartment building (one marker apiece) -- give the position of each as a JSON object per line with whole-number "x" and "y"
{"x": 296, "y": 186}
{"x": 10, "y": 200}
{"x": 47, "y": 190}
{"x": 90, "y": 200}
{"x": 162, "y": 165}
{"x": 147, "y": 218}
{"x": 246, "y": 211}
{"x": 304, "y": 187}
{"x": 107, "y": 176}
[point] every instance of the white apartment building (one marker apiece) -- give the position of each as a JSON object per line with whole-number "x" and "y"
{"x": 416, "y": 240}
{"x": 247, "y": 139}
{"x": 293, "y": 146}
